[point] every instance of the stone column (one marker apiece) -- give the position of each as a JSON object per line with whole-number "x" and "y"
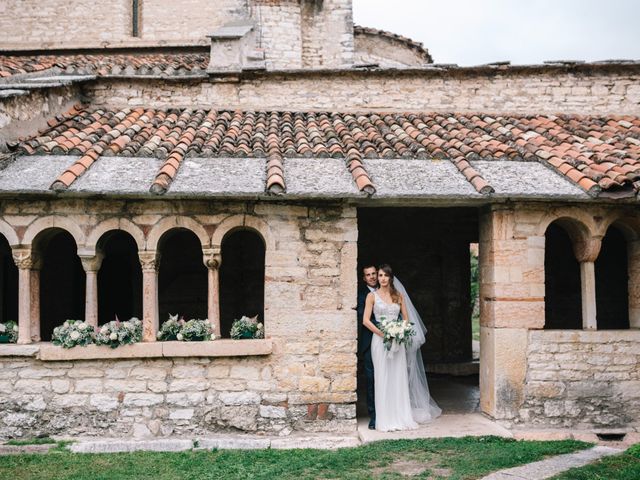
{"x": 587, "y": 250}
{"x": 511, "y": 304}
{"x": 213, "y": 261}
{"x": 633, "y": 255}
{"x": 150, "y": 262}
{"x": 91, "y": 265}
{"x": 27, "y": 262}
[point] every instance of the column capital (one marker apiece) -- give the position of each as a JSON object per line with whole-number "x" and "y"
{"x": 26, "y": 259}
{"x": 212, "y": 261}
{"x": 92, "y": 263}
{"x": 149, "y": 260}
{"x": 587, "y": 250}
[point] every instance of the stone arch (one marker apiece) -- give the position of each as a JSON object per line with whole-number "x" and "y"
{"x": 53, "y": 221}
{"x": 578, "y": 223}
{"x": 9, "y": 233}
{"x": 562, "y": 275}
{"x": 114, "y": 224}
{"x": 169, "y": 223}
{"x": 629, "y": 226}
{"x": 243, "y": 221}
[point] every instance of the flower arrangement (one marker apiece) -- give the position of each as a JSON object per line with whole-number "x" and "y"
{"x": 247, "y": 328}
{"x": 9, "y": 332}
{"x": 72, "y": 333}
{"x": 116, "y": 333}
{"x": 195, "y": 330}
{"x": 396, "y": 332}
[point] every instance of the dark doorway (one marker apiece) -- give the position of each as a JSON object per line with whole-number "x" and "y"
{"x": 612, "y": 282}
{"x": 62, "y": 280}
{"x": 182, "y": 283}
{"x": 429, "y": 250}
{"x": 119, "y": 278}
{"x": 241, "y": 278}
{"x": 8, "y": 283}
{"x": 563, "y": 299}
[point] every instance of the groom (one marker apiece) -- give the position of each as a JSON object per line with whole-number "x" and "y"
{"x": 370, "y": 279}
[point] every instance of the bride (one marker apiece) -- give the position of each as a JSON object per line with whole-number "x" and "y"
{"x": 402, "y": 396}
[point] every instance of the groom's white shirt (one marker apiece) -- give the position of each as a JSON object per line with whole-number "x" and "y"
{"x": 371, "y": 289}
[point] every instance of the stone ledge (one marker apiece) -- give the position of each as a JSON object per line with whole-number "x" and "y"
{"x": 218, "y": 348}
{"x": 13, "y": 350}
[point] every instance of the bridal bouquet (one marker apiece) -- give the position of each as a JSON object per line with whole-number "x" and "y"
{"x": 396, "y": 332}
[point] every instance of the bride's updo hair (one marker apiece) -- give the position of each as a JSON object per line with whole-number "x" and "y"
{"x": 395, "y": 295}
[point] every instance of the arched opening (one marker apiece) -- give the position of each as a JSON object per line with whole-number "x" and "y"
{"x": 563, "y": 299}
{"x": 612, "y": 282}
{"x": 8, "y": 283}
{"x": 182, "y": 282}
{"x": 119, "y": 278}
{"x": 62, "y": 280}
{"x": 241, "y": 278}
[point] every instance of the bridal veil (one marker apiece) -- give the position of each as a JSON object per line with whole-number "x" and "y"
{"x": 423, "y": 407}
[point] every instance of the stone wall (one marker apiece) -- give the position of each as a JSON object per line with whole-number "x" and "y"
{"x": 307, "y": 383}
{"x": 386, "y": 52}
{"x": 279, "y": 33}
{"x": 580, "y": 380}
{"x": 29, "y": 112}
{"x": 46, "y": 24}
{"x": 599, "y": 92}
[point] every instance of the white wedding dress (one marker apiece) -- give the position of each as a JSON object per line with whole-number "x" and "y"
{"x": 401, "y": 393}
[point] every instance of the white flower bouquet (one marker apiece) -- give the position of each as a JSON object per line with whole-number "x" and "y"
{"x": 247, "y": 328}
{"x": 195, "y": 330}
{"x": 396, "y": 332}
{"x": 116, "y": 333}
{"x": 9, "y": 332}
{"x": 73, "y": 333}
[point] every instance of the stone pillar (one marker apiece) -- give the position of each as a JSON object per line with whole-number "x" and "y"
{"x": 633, "y": 255}
{"x": 511, "y": 303}
{"x": 587, "y": 250}
{"x": 150, "y": 262}
{"x": 91, "y": 265}
{"x": 27, "y": 262}
{"x": 213, "y": 261}
{"x": 35, "y": 304}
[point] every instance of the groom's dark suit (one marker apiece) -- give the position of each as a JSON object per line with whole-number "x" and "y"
{"x": 364, "y": 350}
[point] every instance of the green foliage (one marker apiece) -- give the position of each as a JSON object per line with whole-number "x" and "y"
{"x": 452, "y": 458}
{"x": 246, "y": 328}
{"x": 31, "y": 441}
{"x": 73, "y": 333}
{"x": 194, "y": 330}
{"x": 10, "y": 331}
{"x": 116, "y": 333}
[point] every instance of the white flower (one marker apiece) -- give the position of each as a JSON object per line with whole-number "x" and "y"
{"x": 3, "y": 328}
{"x": 259, "y": 326}
{"x": 15, "y": 328}
{"x": 158, "y": 335}
{"x": 213, "y": 336}
{"x": 75, "y": 335}
{"x": 83, "y": 326}
{"x": 104, "y": 330}
{"x": 66, "y": 323}
{"x": 179, "y": 336}
{"x": 113, "y": 336}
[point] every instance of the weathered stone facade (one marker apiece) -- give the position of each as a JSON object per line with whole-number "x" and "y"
{"x": 583, "y": 380}
{"x": 527, "y": 92}
{"x": 306, "y": 383}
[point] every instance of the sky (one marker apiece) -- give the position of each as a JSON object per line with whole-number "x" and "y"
{"x": 473, "y": 32}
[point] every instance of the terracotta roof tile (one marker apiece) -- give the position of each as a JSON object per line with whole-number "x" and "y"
{"x": 112, "y": 63}
{"x": 565, "y": 143}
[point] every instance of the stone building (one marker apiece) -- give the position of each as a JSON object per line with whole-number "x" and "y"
{"x": 245, "y": 157}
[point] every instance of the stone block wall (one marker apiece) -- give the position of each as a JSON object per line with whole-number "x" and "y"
{"x": 553, "y": 378}
{"x": 308, "y": 383}
{"x": 31, "y": 111}
{"x": 540, "y": 93}
{"x": 327, "y": 33}
{"x": 580, "y": 379}
{"x": 37, "y": 24}
{"x": 385, "y": 52}
{"x": 279, "y": 33}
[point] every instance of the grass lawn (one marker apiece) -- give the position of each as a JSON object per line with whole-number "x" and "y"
{"x": 619, "y": 467}
{"x": 447, "y": 458}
